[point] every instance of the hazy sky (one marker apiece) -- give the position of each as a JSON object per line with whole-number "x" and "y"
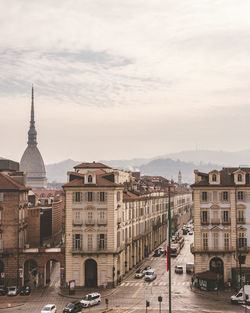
{"x": 120, "y": 79}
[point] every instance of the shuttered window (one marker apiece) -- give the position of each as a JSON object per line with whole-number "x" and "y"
{"x": 77, "y": 242}
{"x": 77, "y": 196}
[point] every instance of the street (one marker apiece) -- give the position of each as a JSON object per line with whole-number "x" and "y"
{"x": 132, "y": 294}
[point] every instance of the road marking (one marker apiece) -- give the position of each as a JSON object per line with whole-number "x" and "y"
{"x": 136, "y": 293}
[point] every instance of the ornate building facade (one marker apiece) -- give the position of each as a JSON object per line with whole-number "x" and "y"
{"x": 222, "y": 223}
{"x": 32, "y": 161}
{"x": 111, "y": 225}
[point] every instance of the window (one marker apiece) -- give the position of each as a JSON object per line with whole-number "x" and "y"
{"x": 90, "y": 179}
{"x": 239, "y": 177}
{"x": 102, "y": 218}
{"x": 77, "y": 218}
{"x": 214, "y": 177}
{"x": 102, "y": 241}
{"x": 226, "y": 241}
{"x": 77, "y": 196}
{"x": 77, "y": 242}
{"x": 90, "y": 218}
{"x": 204, "y": 216}
{"x": 118, "y": 196}
{"x": 1, "y": 196}
{"x": 205, "y": 241}
{"x": 240, "y": 195}
{"x": 242, "y": 240}
{"x": 225, "y": 196}
{"x": 216, "y": 240}
{"x": 102, "y": 196}
{"x": 118, "y": 239}
{"x": 90, "y": 242}
{"x": 215, "y": 196}
{"x": 204, "y": 196}
{"x": 241, "y": 216}
{"x": 90, "y": 196}
{"x": 0, "y": 215}
{"x": 225, "y": 216}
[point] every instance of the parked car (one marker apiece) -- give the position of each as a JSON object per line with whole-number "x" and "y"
{"x": 157, "y": 253}
{"x": 12, "y": 291}
{"x": 178, "y": 269}
{"x": 139, "y": 273}
{"x": 146, "y": 269}
{"x": 150, "y": 275}
{"x": 189, "y": 268}
{"x": 91, "y": 299}
{"x": 49, "y": 308}
{"x": 162, "y": 250}
{"x": 3, "y": 290}
{"x": 25, "y": 290}
{"x": 191, "y": 232}
{"x": 73, "y": 307}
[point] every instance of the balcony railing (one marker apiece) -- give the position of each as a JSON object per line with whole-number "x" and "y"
{"x": 226, "y": 222}
{"x": 211, "y": 249}
{"x": 90, "y": 222}
{"x": 102, "y": 222}
{"x": 77, "y": 222}
{"x": 205, "y": 222}
{"x": 215, "y": 221}
{"x": 241, "y": 220}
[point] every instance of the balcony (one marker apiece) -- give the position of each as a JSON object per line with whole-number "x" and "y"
{"x": 204, "y": 222}
{"x": 210, "y": 249}
{"x": 226, "y": 222}
{"x": 77, "y": 222}
{"x": 101, "y": 222}
{"x": 241, "y": 220}
{"x": 215, "y": 221}
{"x": 90, "y": 222}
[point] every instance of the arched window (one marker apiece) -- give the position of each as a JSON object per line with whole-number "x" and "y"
{"x": 239, "y": 177}
{"x": 214, "y": 177}
{"x": 90, "y": 179}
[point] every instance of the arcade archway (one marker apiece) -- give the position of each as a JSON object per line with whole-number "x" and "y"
{"x": 31, "y": 273}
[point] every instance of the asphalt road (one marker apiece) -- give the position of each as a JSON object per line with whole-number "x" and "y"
{"x": 131, "y": 295}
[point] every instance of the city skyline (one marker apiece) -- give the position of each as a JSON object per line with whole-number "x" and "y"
{"x": 108, "y": 78}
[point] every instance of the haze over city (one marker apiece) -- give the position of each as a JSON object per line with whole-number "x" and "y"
{"x": 124, "y": 79}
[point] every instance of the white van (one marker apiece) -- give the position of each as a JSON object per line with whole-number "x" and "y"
{"x": 91, "y": 299}
{"x": 242, "y": 296}
{"x": 150, "y": 275}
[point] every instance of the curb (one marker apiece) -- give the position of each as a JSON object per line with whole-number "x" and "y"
{"x": 218, "y": 297}
{"x": 11, "y": 307}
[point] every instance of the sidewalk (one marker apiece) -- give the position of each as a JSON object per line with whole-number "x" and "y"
{"x": 220, "y": 295}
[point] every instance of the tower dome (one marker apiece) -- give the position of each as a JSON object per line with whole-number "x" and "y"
{"x": 32, "y": 161}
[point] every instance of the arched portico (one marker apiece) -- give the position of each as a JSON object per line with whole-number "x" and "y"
{"x": 216, "y": 265}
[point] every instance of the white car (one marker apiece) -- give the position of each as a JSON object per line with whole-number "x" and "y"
{"x": 12, "y": 291}
{"x": 49, "y": 308}
{"x": 150, "y": 275}
{"x": 91, "y": 299}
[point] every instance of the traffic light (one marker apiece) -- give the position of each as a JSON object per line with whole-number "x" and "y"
{"x": 160, "y": 299}
{"x": 113, "y": 272}
{"x": 147, "y": 303}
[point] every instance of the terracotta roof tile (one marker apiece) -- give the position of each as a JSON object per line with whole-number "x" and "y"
{"x": 91, "y": 165}
{"x": 8, "y": 183}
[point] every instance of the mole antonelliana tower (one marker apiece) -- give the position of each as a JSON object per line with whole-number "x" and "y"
{"x": 32, "y": 161}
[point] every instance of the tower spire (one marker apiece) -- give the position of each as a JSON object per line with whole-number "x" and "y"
{"x": 32, "y": 131}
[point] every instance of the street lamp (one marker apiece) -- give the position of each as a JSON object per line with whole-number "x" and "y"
{"x": 160, "y": 301}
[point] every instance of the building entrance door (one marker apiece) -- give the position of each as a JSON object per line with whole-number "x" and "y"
{"x": 90, "y": 273}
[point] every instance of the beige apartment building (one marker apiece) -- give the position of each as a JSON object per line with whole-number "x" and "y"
{"x": 111, "y": 225}
{"x": 222, "y": 224}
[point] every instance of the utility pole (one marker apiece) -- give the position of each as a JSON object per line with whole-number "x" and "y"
{"x": 169, "y": 254}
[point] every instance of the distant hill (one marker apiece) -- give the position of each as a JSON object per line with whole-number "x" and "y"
{"x": 170, "y": 168}
{"x": 166, "y": 165}
{"x": 57, "y": 172}
{"x": 223, "y": 158}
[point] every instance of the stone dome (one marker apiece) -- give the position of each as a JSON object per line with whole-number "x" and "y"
{"x": 32, "y": 162}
